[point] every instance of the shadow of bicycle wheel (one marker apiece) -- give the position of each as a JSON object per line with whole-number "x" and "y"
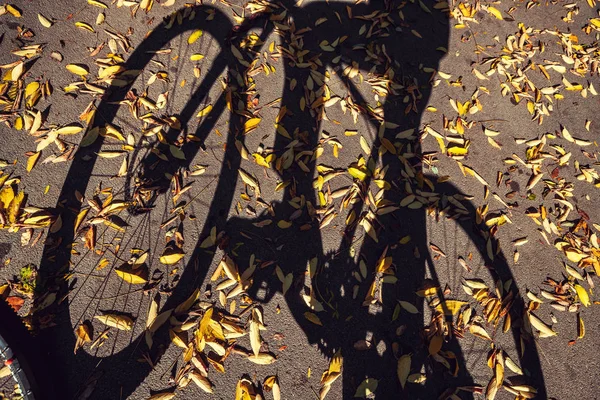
{"x": 77, "y": 369}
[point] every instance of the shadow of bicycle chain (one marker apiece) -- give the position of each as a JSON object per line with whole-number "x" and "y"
{"x": 336, "y": 335}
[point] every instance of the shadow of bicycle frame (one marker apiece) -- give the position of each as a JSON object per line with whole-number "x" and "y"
{"x": 57, "y": 255}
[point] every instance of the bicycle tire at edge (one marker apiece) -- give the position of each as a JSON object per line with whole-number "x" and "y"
{"x": 27, "y": 351}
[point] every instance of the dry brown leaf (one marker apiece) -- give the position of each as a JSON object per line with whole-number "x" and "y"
{"x": 403, "y": 369}
{"x": 118, "y": 321}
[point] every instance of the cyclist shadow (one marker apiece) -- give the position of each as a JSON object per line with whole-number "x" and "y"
{"x": 370, "y": 27}
{"x": 397, "y": 54}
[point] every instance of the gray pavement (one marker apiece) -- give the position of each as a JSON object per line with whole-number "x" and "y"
{"x": 419, "y": 41}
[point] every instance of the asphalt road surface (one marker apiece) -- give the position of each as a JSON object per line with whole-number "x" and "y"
{"x": 351, "y": 49}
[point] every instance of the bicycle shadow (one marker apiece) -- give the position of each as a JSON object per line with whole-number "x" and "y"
{"x": 378, "y": 40}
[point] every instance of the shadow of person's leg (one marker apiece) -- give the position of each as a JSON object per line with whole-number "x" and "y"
{"x": 402, "y": 236}
{"x": 402, "y": 334}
